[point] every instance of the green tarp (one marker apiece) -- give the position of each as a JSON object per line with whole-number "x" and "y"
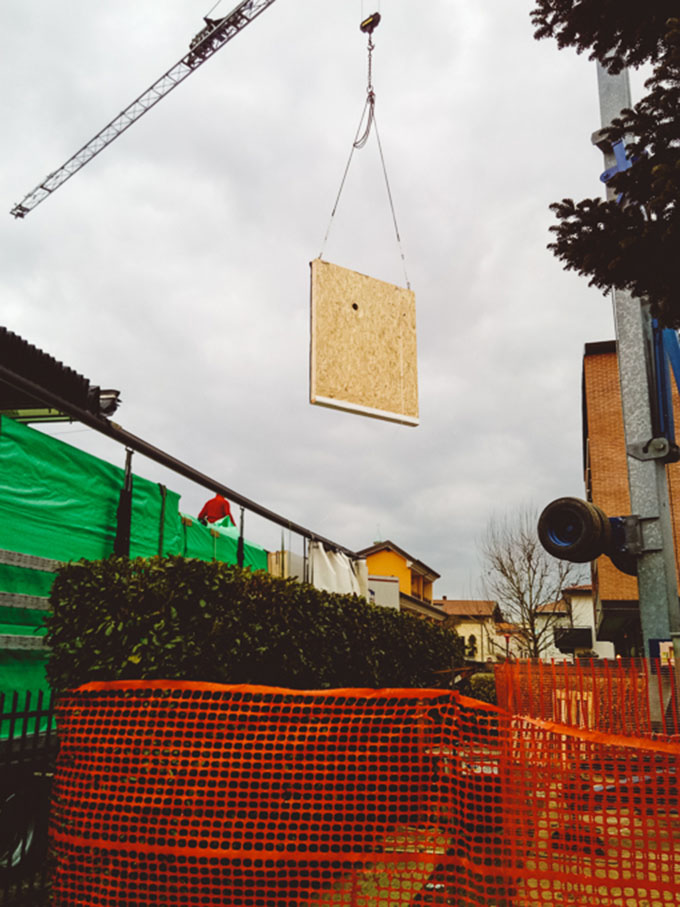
{"x": 23, "y": 581}
{"x": 60, "y": 503}
{"x": 220, "y": 543}
{"x": 22, "y": 621}
{"x": 21, "y": 672}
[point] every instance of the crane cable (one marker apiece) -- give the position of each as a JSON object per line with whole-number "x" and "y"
{"x": 369, "y": 106}
{"x": 212, "y": 8}
{"x": 367, "y": 123}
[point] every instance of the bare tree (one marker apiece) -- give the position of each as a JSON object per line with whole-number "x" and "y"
{"x": 523, "y": 578}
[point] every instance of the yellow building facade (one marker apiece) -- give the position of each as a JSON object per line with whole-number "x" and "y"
{"x": 416, "y": 579}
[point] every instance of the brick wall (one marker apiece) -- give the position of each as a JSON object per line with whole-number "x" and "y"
{"x": 606, "y": 469}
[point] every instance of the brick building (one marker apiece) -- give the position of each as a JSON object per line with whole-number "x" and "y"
{"x": 616, "y": 599}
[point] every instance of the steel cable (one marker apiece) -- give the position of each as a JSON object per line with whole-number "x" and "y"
{"x": 366, "y": 123}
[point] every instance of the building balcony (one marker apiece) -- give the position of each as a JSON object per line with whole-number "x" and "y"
{"x": 568, "y": 639}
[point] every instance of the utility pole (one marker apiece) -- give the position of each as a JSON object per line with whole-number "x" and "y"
{"x": 646, "y": 452}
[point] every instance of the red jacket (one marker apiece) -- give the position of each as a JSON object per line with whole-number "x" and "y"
{"x": 216, "y": 509}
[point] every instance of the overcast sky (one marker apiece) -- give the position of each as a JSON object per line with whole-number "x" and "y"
{"x": 175, "y": 266}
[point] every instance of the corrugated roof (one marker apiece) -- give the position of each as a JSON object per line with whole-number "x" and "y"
{"x": 26, "y": 361}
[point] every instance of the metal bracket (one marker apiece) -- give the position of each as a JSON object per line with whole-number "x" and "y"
{"x": 623, "y": 162}
{"x": 654, "y": 449}
{"x": 632, "y": 534}
{"x": 604, "y": 144}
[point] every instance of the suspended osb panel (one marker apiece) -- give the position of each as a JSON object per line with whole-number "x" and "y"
{"x": 363, "y": 345}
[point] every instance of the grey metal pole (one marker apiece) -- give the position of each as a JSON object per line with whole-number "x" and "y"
{"x": 647, "y": 479}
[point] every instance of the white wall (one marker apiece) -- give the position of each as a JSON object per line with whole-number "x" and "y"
{"x": 467, "y": 628}
{"x": 384, "y": 590}
{"x": 583, "y": 615}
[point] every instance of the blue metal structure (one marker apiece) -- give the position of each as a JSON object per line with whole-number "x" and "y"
{"x": 664, "y": 341}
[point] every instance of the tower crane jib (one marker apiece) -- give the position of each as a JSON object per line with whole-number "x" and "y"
{"x": 215, "y": 34}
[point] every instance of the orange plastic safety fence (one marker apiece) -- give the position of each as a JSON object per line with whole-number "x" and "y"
{"x": 196, "y": 794}
{"x": 636, "y": 697}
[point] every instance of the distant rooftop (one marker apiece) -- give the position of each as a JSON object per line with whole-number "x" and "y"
{"x": 467, "y": 607}
{"x": 505, "y": 629}
{"x": 560, "y": 607}
{"x": 416, "y": 564}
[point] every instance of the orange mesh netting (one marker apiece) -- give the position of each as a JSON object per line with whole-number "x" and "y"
{"x": 632, "y": 696}
{"x": 199, "y": 794}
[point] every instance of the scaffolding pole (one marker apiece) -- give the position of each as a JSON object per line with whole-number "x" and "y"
{"x": 646, "y": 454}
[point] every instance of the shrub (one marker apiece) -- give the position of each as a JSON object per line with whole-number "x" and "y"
{"x": 483, "y": 687}
{"x": 181, "y": 619}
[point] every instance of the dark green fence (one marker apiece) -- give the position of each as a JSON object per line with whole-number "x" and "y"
{"x": 28, "y": 745}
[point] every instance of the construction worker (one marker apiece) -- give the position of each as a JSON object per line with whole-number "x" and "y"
{"x": 215, "y": 509}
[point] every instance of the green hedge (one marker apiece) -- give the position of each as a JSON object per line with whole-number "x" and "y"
{"x": 483, "y": 686}
{"x": 174, "y": 618}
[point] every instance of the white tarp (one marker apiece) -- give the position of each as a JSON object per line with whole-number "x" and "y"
{"x": 334, "y": 571}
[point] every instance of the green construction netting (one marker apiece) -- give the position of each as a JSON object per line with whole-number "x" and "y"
{"x": 220, "y": 542}
{"x": 25, "y": 581}
{"x": 156, "y": 525}
{"x": 197, "y": 541}
{"x": 61, "y": 503}
{"x": 20, "y": 620}
{"x": 55, "y": 501}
